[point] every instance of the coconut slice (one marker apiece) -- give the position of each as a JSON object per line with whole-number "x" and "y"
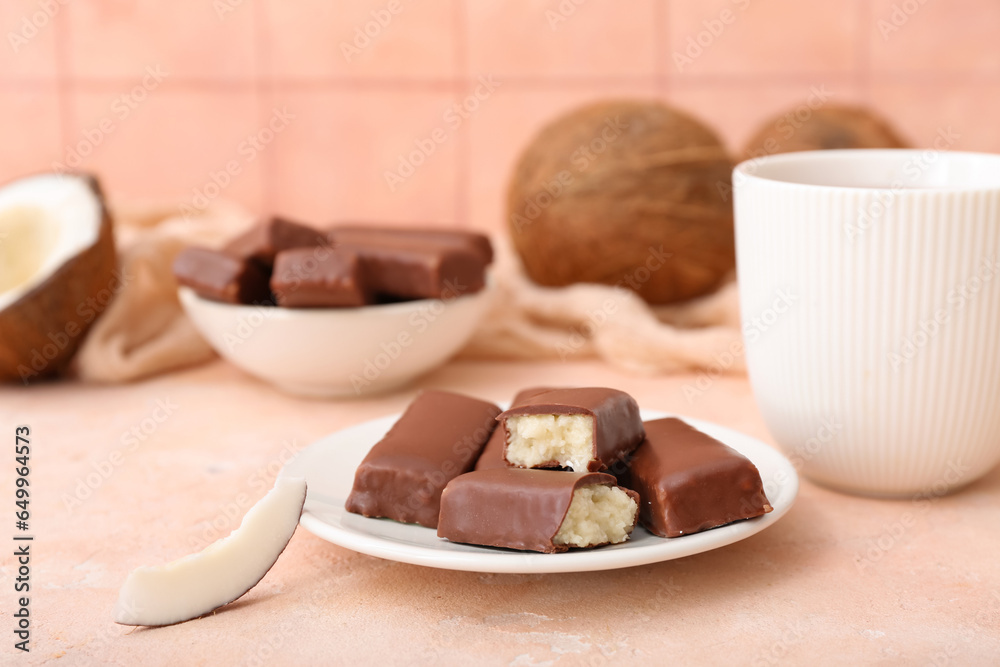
{"x": 57, "y": 262}
{"x": 197, "y": 584}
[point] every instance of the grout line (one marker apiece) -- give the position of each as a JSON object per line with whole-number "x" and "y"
{"x": 89, "y": 84}
{"x": 463, "y": 148}
{"x": 63, "y": 81}
{"x": 265, "y": 99}
{"x": 862, "y": 68}
{"x": 661, "y": 18}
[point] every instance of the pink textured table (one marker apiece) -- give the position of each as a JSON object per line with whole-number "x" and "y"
{"x": 141, "y": 474}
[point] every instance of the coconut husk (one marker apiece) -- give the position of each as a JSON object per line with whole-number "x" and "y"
{"x": 41, "y": 331}
{"x": 828, "y": 127}
{"x": 628, "y": 193}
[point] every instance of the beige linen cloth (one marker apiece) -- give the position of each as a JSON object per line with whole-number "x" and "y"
{"x": 145, "y": 332}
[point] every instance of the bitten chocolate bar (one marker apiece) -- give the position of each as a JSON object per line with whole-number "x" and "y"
{"x": 437, "y": 438}
{"x": 492, "y": 456}
{"x": 265, "y": 240}
{"x": 362, "y": 235}
{"x": 537, "y": 510}
{"x": 580, "y": 429}
{"x": 318, "y": 277}
{"x": 690, "y": 482}
{"x": 219, "y": 276}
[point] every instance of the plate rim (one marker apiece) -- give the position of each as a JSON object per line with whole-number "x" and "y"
{"x": 584, "y": 560}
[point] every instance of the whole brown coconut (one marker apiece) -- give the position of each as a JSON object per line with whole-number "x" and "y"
{"x": 828, "y": 127}
{"x": 628, "y": 193}
{"x": 58, "y": 274}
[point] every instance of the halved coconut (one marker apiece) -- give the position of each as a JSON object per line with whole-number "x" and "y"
{"x": 197, "y": 584}
{"x": 57, "y": 264}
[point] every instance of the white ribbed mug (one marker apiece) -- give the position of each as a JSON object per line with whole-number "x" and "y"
{"x": 870, "y": 298}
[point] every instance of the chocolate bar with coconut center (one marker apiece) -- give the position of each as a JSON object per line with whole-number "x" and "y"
{"x": 417, "y": 269}
{"x": 581, "y": 429}
{"x": 438, "y": 438}
{"x": 318, "y": 277}
{"x": 537, "y": 510}
{"x": 219, "y": 276}
{"x": 492, "y": 456}
{"x": 264, "y": 241}
{"x": 365, "y": 235}
{"x": 690, "y": 482}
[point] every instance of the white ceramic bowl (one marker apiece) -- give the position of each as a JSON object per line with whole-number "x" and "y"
{"x": 338, "y": 352}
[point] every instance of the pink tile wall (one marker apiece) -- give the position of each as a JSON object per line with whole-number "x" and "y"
{"x": 271, "y": 103}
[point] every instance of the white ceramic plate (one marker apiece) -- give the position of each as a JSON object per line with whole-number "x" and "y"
{"x": 329, "y": 464}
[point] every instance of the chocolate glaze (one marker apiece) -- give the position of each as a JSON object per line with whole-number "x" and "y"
{"x": 265, "y": 240}
{"x": 437, "y": 438}
{"x": 318, "y": 277}
{"x": 513, "y": 508}
{"x": 364, "y": 235}
{"x": 219, "y": 276}
{"x": 690, "y": 482}
{"x": 492, "y": 456}
{"x": 418, "y": 269}
{"x": 618, "y": 428}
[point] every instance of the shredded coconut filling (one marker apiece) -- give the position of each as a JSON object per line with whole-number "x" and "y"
{"x": 598, "y": 514}
{"x": 537, "y": 439}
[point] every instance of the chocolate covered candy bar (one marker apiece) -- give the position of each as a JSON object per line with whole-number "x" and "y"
{"x": 219, "y": 276}
{"x": 537, "y": 510}
{"x": 492, "y": 456}
{"x": 362, "y": 235}
{"x": 580, "y": 429}
{"x": 417, "y": 269}
{"x": 318, "y": 277}
{"x": 265, "y": 240}
{"x": 690, "y": 482}
{"x": 437, "y": 438}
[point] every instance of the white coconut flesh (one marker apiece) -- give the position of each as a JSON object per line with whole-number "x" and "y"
{"x": 45, "y": 221}
{"x": 197, "y": 584}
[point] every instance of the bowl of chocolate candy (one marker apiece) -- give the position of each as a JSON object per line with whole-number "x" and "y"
{"x": 348, "y": 311}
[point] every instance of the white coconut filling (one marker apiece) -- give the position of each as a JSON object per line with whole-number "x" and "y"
{"x": 537, "y": 439}
{"x": 598, "y": 514}
{"x": 196, "y": 584}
